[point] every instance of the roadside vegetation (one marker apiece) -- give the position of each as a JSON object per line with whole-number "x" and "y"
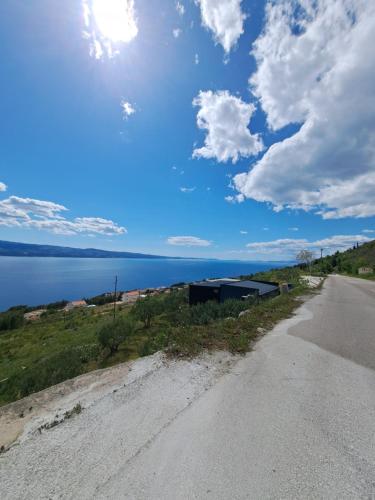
{"x": 61, "y": 345}
{"x": 348, "y": 262}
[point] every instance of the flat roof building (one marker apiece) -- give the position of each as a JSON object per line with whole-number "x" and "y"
{"x": 222, "y": 290}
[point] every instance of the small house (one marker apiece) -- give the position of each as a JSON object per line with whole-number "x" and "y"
{"x": 74, "y": 304}
{"x": 130, "y": 297}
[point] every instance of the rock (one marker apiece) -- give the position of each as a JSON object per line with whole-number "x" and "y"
{"x": 243, "y": 313}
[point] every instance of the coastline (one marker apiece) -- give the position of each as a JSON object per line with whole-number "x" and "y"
{"x": 60, "y": 278}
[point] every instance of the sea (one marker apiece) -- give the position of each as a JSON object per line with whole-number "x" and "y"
{"x": 34, "y": 281}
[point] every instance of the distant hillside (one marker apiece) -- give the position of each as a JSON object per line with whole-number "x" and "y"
{"x": 13, "y": 249}
{"x": 350, "y": 260}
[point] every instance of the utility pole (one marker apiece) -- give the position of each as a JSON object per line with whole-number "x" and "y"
{"x": 114, "y": 304}
{"x": 321, "y": 253}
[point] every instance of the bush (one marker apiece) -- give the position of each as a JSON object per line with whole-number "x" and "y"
{"x": 112, "y": 334}
{"x": 44, "y": 373}
{"x": 203, "y": 314}
{"x": 11, "y": 321}
{"x": 185, "y": 341}
{"x": 147, "y": 309}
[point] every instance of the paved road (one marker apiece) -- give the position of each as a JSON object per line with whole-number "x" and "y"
{"x": 294, "y": 419}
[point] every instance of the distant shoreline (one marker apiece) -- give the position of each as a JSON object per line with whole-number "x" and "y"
{"x": 16, "y": 249}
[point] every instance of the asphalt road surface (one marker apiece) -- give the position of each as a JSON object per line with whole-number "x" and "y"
{"x": 293, "y": 419}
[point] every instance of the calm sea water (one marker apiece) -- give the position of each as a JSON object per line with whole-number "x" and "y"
{"x": 40, "y": 280}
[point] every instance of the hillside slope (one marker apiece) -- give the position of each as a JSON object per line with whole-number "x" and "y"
{"x": 14, "y": 249}
{"x": 350, "y": 260}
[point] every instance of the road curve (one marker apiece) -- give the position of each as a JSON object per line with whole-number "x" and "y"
{"x": 295, "y": 418}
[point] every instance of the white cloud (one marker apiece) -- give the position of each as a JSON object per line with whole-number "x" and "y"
{"x": 180, "y": 8}
{"x": 46, "y": 215}
{"x": 108, "y": 23}
{"x": 187, "y": 190}
{"x": 196, "y": 58}
{"x": 3, "y": 187}
{"x": 289, "y": 247}
{"x": 234, "y": 199}
{"x": 293, "y": 228}
{"x": 316, "y": 66}
{"x": 127, "y": 109}
{"x": 243, "y": 232}
{"x": 225, "y": 19}
{"x": 369, "y": 231}
{"x": 226, "y": 119}
{"x": 188, "y": 241}
{"x": 24, "y": 207}
{"x": 177, "y": 32}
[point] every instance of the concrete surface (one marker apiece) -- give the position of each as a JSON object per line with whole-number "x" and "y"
{"x": 293, "y": 419}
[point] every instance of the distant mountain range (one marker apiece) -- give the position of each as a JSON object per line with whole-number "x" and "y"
{"x": 14, "y": 249}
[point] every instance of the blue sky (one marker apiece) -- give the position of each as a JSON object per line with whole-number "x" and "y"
{"x": 211, "y": 128}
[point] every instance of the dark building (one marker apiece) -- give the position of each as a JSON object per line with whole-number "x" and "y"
{"x": 221, "y": 290}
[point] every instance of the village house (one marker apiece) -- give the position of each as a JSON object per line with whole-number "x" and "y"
{"x": 74, "y": 304}
{"x": 130, "y": 297}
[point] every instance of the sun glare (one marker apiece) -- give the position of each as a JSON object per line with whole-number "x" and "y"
{"x": 115, "y": 19}
{"x": 108, "y": 23}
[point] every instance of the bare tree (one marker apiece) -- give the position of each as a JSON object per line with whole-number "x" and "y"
{"x": 305, "y": 257}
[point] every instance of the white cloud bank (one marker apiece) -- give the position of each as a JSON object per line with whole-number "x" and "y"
{"x": 3, "y": 187}
{"x": 46, "y": 215}
{"x": 289, "y": 247}
{"x": 188, "y": 241}
{"x": 226, "y": 119}
{"x": 225, "y": 19}
{"x": 316, "y": 67}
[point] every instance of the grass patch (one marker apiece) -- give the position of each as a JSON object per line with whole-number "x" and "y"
{"x": 233, "y": 334}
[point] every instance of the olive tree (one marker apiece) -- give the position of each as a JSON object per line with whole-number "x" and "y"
{"x": 147, "y": 309}
{"x": 113, "y": 333}
{"x": 305, "y": 257}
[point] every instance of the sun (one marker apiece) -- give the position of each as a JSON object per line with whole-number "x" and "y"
{"x": 115, "y": 19}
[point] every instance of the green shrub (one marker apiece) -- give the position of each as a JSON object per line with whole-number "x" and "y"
{"x": 44, "y": 373}
{"x": 113, "y": 333}
{"x": 147, "y": 309}
{"x": 11, "y": 320}
{"x": 185, "y": 341}
{"x": 203, "y": 314}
